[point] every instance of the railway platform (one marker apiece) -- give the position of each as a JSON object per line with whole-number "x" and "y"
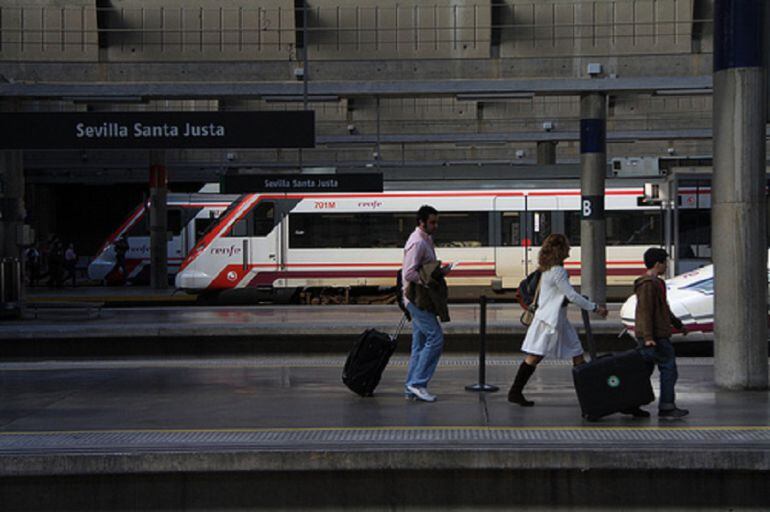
{"x": 186, "y": 330}
{"x": 281, "y": 432}
{"x": 131, "y": 296}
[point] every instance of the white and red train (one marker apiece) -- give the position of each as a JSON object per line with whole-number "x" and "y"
{"x": 290, "y": 241}
{"x": 189, "y": 215}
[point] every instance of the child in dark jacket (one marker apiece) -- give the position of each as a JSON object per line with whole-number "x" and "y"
{"x": 653, "y": 327}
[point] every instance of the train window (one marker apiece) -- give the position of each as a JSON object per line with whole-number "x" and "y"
{"x": 336, "y": 230}
{"x": 263, "y": 218}
{"x": 174, "y": 221}
{"x": 572, "y": 228}
{"x": 694, "y": 233}
{"x": 643, "y": 227}
{"x": 202, "y": 226}
{"x": 240, "y": 228}
{"x": 462, "y": 229}
{"x": 349, "y": 230}
{"x": 385, "y": 230}
{"x": 511, "y": 226}
{"x": 142, "y": 225}
{"x": 624, "y": 227}
{"x": 541, "y": 227}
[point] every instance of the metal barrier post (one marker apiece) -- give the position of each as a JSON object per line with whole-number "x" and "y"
{"x": 482, "y": 385}
{"x": 10, "y": 288}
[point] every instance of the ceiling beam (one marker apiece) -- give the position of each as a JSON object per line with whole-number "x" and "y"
{"x": 407, "y": 88}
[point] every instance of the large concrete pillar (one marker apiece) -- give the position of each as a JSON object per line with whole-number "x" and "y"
{"x": 546, "y": 152}
{"x": 11, "y": 202}
{"x": 158, "y": 222}
{"x": 739, "y": 229}
{"x": 593, "y": 164}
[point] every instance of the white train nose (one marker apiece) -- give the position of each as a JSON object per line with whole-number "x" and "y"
{"x": 99, "y": 268}
{"x": 192, "y": 279}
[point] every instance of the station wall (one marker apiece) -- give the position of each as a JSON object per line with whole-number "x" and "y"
{"x": 238, "y": 30}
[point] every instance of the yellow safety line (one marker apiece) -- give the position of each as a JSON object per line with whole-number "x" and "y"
{"x": 763, "y": 428}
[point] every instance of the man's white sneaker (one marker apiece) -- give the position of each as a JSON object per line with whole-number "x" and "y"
{"x": 421, "y": 394}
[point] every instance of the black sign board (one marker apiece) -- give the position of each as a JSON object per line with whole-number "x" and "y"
{"x": 145, "y": 130}
{"x": 246, "y": 183}
{"x": 592, "y": 208}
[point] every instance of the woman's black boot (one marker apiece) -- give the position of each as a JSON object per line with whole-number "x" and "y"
{"x": 522, "y": 376}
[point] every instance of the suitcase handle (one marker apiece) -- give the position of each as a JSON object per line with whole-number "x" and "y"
{"x": 589, "y": 334}
{"x": 400, "y": 328}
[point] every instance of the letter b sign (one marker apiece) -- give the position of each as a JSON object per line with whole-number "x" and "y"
{"x": 587, "y": 209}
{"x": 592, "y": 207}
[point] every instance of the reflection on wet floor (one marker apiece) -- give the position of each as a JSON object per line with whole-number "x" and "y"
{"x": 265, "y": 392}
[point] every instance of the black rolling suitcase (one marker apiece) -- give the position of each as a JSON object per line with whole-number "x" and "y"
{"x": 611, "y": 383}
{"x": 368, "y": 358}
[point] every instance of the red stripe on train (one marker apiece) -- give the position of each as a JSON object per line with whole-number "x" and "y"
{"x": 267, "y": 278}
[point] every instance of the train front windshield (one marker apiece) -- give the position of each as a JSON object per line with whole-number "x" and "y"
{"x": 222, "y": 216}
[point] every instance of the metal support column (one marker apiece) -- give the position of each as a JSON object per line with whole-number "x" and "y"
{"x": 158, "y": 222}
{"x": 593, "y": 163}
{"x": 546, "y": 152}
{"x": 739, "y": 223}
{"x": 11, "y": 203}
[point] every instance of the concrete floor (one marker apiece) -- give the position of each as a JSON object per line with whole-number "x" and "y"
{"x": 283, "y": 433}
{"x": 259, "y": 320}
{"x": 306, "y": 392}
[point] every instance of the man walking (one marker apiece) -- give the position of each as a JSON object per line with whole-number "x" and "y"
{"x": 427, "y": 335}
{"x": 654, "y": 322}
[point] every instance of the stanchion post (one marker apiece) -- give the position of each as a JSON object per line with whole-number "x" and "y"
{"x": 482, "y": 385}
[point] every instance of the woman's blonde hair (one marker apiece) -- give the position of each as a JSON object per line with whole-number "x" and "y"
{"x": 554, "y": 251}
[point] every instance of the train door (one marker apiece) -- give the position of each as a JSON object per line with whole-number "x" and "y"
{"x": 264, "y": 240}
{"x": 175, "y": 238}
{"x": 539, "y": 223}
{"x": 198, "y": 226}
{"x": 510, "y": 253}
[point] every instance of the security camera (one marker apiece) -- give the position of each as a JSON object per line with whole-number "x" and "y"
{"x": 520, "y": 153}
{"x": 351, "y": 129}
{"x": 670, "y": 151}
{"x": 375, "y": 155}
{"x": 548, "y": 126}
{"x": 231, "y": 156}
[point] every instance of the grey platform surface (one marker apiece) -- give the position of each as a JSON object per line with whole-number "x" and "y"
{"x": 266, "y": 320}
{"x": 293, "y": 413}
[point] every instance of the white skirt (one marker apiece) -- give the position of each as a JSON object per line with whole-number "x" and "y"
{"x": 543, "y": 340}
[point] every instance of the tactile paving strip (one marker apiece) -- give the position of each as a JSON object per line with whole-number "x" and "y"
{"x": 31, "y": 443}
{"x": 287, "y": 362}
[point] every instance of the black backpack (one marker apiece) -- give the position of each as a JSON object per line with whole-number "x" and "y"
{"x": 527, "y": 289}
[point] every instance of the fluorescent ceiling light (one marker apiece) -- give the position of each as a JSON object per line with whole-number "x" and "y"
{"x": 493, "y": 96}
{"x": 683, "y": 92}
{"x": 299, "y": 99}
{"x": 104, "y": 99}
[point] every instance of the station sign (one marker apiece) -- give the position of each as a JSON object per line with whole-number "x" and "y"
{"x": 281, "y": 183}
{"x": 157, "y": 130}
{"x": 592, "y": 207}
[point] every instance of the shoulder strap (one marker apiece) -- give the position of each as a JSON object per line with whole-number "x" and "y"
{"x": 537, "y": 290}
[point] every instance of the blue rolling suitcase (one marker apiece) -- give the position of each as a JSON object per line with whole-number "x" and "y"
{"x": 611, "y": 383}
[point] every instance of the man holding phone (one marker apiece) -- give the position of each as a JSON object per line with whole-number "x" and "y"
{"x": 427, "y": 335}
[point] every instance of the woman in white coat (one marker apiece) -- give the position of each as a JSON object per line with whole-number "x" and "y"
{"x": 550, "y": 332}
